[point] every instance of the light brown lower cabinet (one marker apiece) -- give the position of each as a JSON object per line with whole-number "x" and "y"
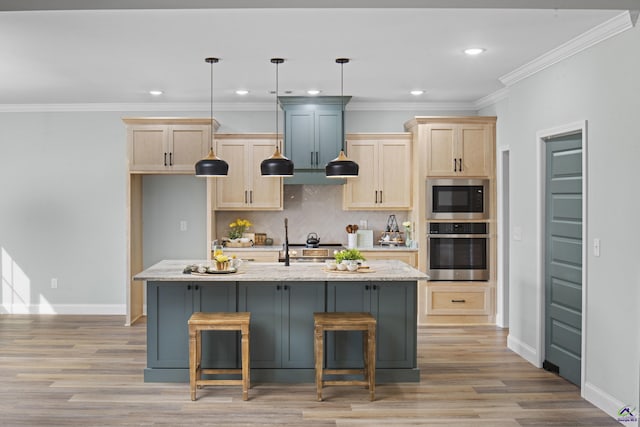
{"x": 456, "y": 303}
{"x": 410, "y": 257}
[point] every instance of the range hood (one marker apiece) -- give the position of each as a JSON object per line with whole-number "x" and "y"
{"x": 312, "y": 136}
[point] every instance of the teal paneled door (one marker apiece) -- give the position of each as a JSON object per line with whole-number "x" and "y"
{"x": 563, "y": 257}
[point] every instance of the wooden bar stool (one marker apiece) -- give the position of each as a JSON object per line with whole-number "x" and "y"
{"x": 364, "y": 322}
{"x": 199, "y": 322}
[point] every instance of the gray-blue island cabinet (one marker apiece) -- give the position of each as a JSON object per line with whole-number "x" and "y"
{"x": 281, "y": 319}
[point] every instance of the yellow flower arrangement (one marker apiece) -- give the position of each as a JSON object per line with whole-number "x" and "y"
{"x": 238, "y": 227}
{"x": 221, "y": 258}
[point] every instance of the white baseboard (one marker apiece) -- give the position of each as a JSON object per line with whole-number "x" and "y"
{"x": 87, "y": 309}
{"x": 608, "y": 404}
{"x": 523, "y": 350}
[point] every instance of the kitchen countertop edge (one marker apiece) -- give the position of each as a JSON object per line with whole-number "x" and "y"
{"x": 387, "y": 270}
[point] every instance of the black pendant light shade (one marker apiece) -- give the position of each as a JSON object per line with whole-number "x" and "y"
{"x": 341, "y": 166}
{"x": 277, "y": 165}
{"x": 212, "y": 165}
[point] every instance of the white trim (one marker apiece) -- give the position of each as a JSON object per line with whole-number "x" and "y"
{"x": 525, "y": 351}
{"x": 610, "y": 28}
{"x": 86, "y": 309}
{"x": 254, "y": 106}
{"x": 541, "y": 137}
{"x": 492, "y": 98}
{"x": 502, "y": 233}
{"x": 606, "y": 402}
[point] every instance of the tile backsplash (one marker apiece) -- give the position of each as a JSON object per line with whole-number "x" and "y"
{"x": 309, "y": 208}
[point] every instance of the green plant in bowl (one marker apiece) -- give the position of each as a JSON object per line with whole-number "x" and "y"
{"x": 348, "y": 254}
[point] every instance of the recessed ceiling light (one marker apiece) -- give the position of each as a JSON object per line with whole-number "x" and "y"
{"x": 313, "y": 91}
{"x": 417, "y": 92}
{"x": 242, "y": 92}
{"x": 155, "y": 92}
{"x": 472, "y": 51}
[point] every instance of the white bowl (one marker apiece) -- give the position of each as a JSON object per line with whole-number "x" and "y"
{"x": 342, "y": 266}
{"x": 330, "y": 265}
{"x": 352, "y": 265}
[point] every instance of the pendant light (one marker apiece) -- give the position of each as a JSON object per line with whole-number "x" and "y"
{"x": 212, "y": 165}
{"x": 277, "y": 165}
{"x": 341, "y": 166}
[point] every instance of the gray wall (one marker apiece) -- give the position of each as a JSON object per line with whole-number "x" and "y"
{"x": 599, "y": 85}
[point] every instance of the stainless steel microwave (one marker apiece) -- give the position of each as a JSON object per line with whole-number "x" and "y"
{"x": 457, "y": 198}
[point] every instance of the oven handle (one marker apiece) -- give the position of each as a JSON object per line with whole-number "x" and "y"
{"x": 458, "y": 236}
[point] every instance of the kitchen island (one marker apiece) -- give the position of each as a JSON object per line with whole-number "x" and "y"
{"x": 282, "y": 301}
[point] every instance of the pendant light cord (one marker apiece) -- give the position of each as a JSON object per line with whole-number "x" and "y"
{"x": 277, "y": 112}
{"x": 342, "y": 101}
{"x": 211, "y": 110}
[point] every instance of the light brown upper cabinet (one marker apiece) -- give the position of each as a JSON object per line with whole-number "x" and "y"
{"x": 457, "y": 146}
{"x": 384, "y": 179}
{"x": 245, "y": 188}
{"x": 167, "y": 145}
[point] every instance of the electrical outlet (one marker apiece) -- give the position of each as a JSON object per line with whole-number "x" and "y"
{"x": 54, "y": 283}
{"x": 183, "y": 225}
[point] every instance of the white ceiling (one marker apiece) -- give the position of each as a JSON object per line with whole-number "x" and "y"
{"x": 115, "y": 56}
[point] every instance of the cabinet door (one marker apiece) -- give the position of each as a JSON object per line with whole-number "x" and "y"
{"x": 362, "y": 192}
{"x": 147, "y": 147}
{"x": 394, "y": 306}
{"x": 300, "y": 301}
{"x": 264, "y": 192}
{"x": 441, "y": 150}
{"x": 344, "y": 349}
{"x": 300, "y": 144}
{"x": 169, "y": 306}
{"x": 328, "y": 136}
{"x": 187, "y": 145}
{"x": 394, "y": 174}
{"x": 220, "y": 349}
{"x": 264, "y": 301}
{"x": 474, "y": 150}
{"x": 231, "y": 192}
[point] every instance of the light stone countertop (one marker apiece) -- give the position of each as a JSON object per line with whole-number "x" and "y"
{"x": 390, "y": 270}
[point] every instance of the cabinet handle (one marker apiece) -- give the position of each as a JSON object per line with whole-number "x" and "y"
{"x": 317, "y": 158}
{"x": 286, "y": 287}
{"x": 196, "y": 287}
{"x": 188, "y": 287}
{"x": 366, "y": 287}
{"x": 455, "y": 165}
{"x": 250, "y": 196}
{"x": 170, "y": 159}
{"x": 311, "y": 160}
{"x": 277, "y": 287}
{"x": 245, "y": 196}
{"x": 460, "y": 160}
{"x": 380, "y": 196}
{"x": 165, "y": 159}
{"x": 375, "y": 287}
{"x": 458, "y": 300}
{"x": 376, "y": 196}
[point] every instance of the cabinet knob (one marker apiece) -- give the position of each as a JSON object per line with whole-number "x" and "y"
{"x": 188, "y": 287}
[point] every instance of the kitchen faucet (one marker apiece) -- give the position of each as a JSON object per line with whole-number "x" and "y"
{"x": 286, "y": 242}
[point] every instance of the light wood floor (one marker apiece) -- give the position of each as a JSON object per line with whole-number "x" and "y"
{"x": 87, "y": 371}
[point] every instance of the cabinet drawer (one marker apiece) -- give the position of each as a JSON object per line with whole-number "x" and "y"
{"x": 459, "y": 300}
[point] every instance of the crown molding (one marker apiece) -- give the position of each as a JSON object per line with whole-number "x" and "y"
{"x": 610, "y": 28}
{"x": 491, "y": 99}
{"x": 200, "y": 107}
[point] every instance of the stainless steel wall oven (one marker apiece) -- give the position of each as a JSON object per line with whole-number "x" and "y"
{"x": 458, "y": 251}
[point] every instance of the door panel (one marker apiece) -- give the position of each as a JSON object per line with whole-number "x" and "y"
{"x": 563, "y": 258}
